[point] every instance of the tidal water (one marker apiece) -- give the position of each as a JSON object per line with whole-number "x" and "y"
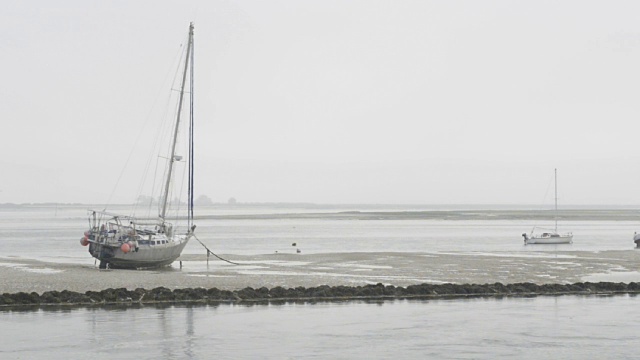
{"x": 565, "y": 327}
{"x": 573, "y": 327}
{"x": 52, "y": 233}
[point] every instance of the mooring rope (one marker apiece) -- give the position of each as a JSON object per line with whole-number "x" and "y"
{"x": 212, "y": 253}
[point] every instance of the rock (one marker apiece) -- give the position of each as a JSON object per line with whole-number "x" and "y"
{"x": 161, "y": 294}
{"x": 324, "y": 292}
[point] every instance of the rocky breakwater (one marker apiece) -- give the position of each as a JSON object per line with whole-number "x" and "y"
{"x": 162, "y": 295}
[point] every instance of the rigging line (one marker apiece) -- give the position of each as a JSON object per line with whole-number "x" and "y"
{"x": 164, "y": 132}
{"x": 161, "y": 133}
{"x": 161, "y": 129}
{"x": 177, "y": 193}
{"x": 547, "y": 192}
{"x": 177, "y": 188}
{"x": 212, "y": 253}
{"x": 173, "y": 185}
{"x": 542, "y": 205}
{"x": 148, "y": 117}
{"x": 153, "y": 185}
{"x": 175, "y": 132}
{"x": 155, "y": 148}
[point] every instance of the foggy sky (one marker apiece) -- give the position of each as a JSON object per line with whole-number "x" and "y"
{"x": 329, "y": 101}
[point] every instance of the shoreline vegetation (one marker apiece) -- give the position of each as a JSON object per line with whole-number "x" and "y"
{"x": 323, "y": 293}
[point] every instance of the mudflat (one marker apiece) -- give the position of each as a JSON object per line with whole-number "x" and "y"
{"x": 348, "y": 269}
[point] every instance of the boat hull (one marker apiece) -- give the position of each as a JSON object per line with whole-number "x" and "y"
{"x": 561, "y": 239}
{"x": 144, "y": 257}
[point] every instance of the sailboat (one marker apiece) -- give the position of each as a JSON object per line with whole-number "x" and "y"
{"x": 550, "y": 236}
{"x": 120, "y": 241}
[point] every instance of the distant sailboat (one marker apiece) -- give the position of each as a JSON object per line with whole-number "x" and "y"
{"x": 120, "y": 241}
{"x": 550, "y": 237}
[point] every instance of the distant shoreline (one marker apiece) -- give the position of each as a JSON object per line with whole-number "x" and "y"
{"x": 451, "y": 215}
{"x": 380, "y": 212}
{"x": 308, "y": 205}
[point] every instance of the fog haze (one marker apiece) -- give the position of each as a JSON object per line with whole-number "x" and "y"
{"x": 411, "y": 102}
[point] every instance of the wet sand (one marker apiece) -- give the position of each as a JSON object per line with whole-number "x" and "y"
{"x": 348, "y": 269}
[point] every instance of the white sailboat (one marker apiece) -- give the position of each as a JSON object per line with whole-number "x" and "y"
{"x": 550, "y": 236}
{"x": 120, "y": 241}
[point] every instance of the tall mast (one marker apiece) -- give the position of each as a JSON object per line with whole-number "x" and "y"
{"x": 175, "y": 132}
{"x": 191, "y": 156}
{"x": 555, "y": 178}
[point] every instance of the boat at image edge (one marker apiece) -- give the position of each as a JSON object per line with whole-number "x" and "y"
{"x": 120, "y": 241}
{"x": 550, "y": 236}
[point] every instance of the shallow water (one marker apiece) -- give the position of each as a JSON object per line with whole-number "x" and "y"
{"x": 524, "y": 328}
{"x": 53, "y": 233}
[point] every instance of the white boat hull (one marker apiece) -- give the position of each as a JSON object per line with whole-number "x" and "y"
{"x": 554, "y": 239}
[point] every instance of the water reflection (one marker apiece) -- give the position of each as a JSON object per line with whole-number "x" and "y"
{"x": 190, "y": 306}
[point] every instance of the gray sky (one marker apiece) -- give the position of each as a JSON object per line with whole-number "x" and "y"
{"x": 329, "y": 101}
